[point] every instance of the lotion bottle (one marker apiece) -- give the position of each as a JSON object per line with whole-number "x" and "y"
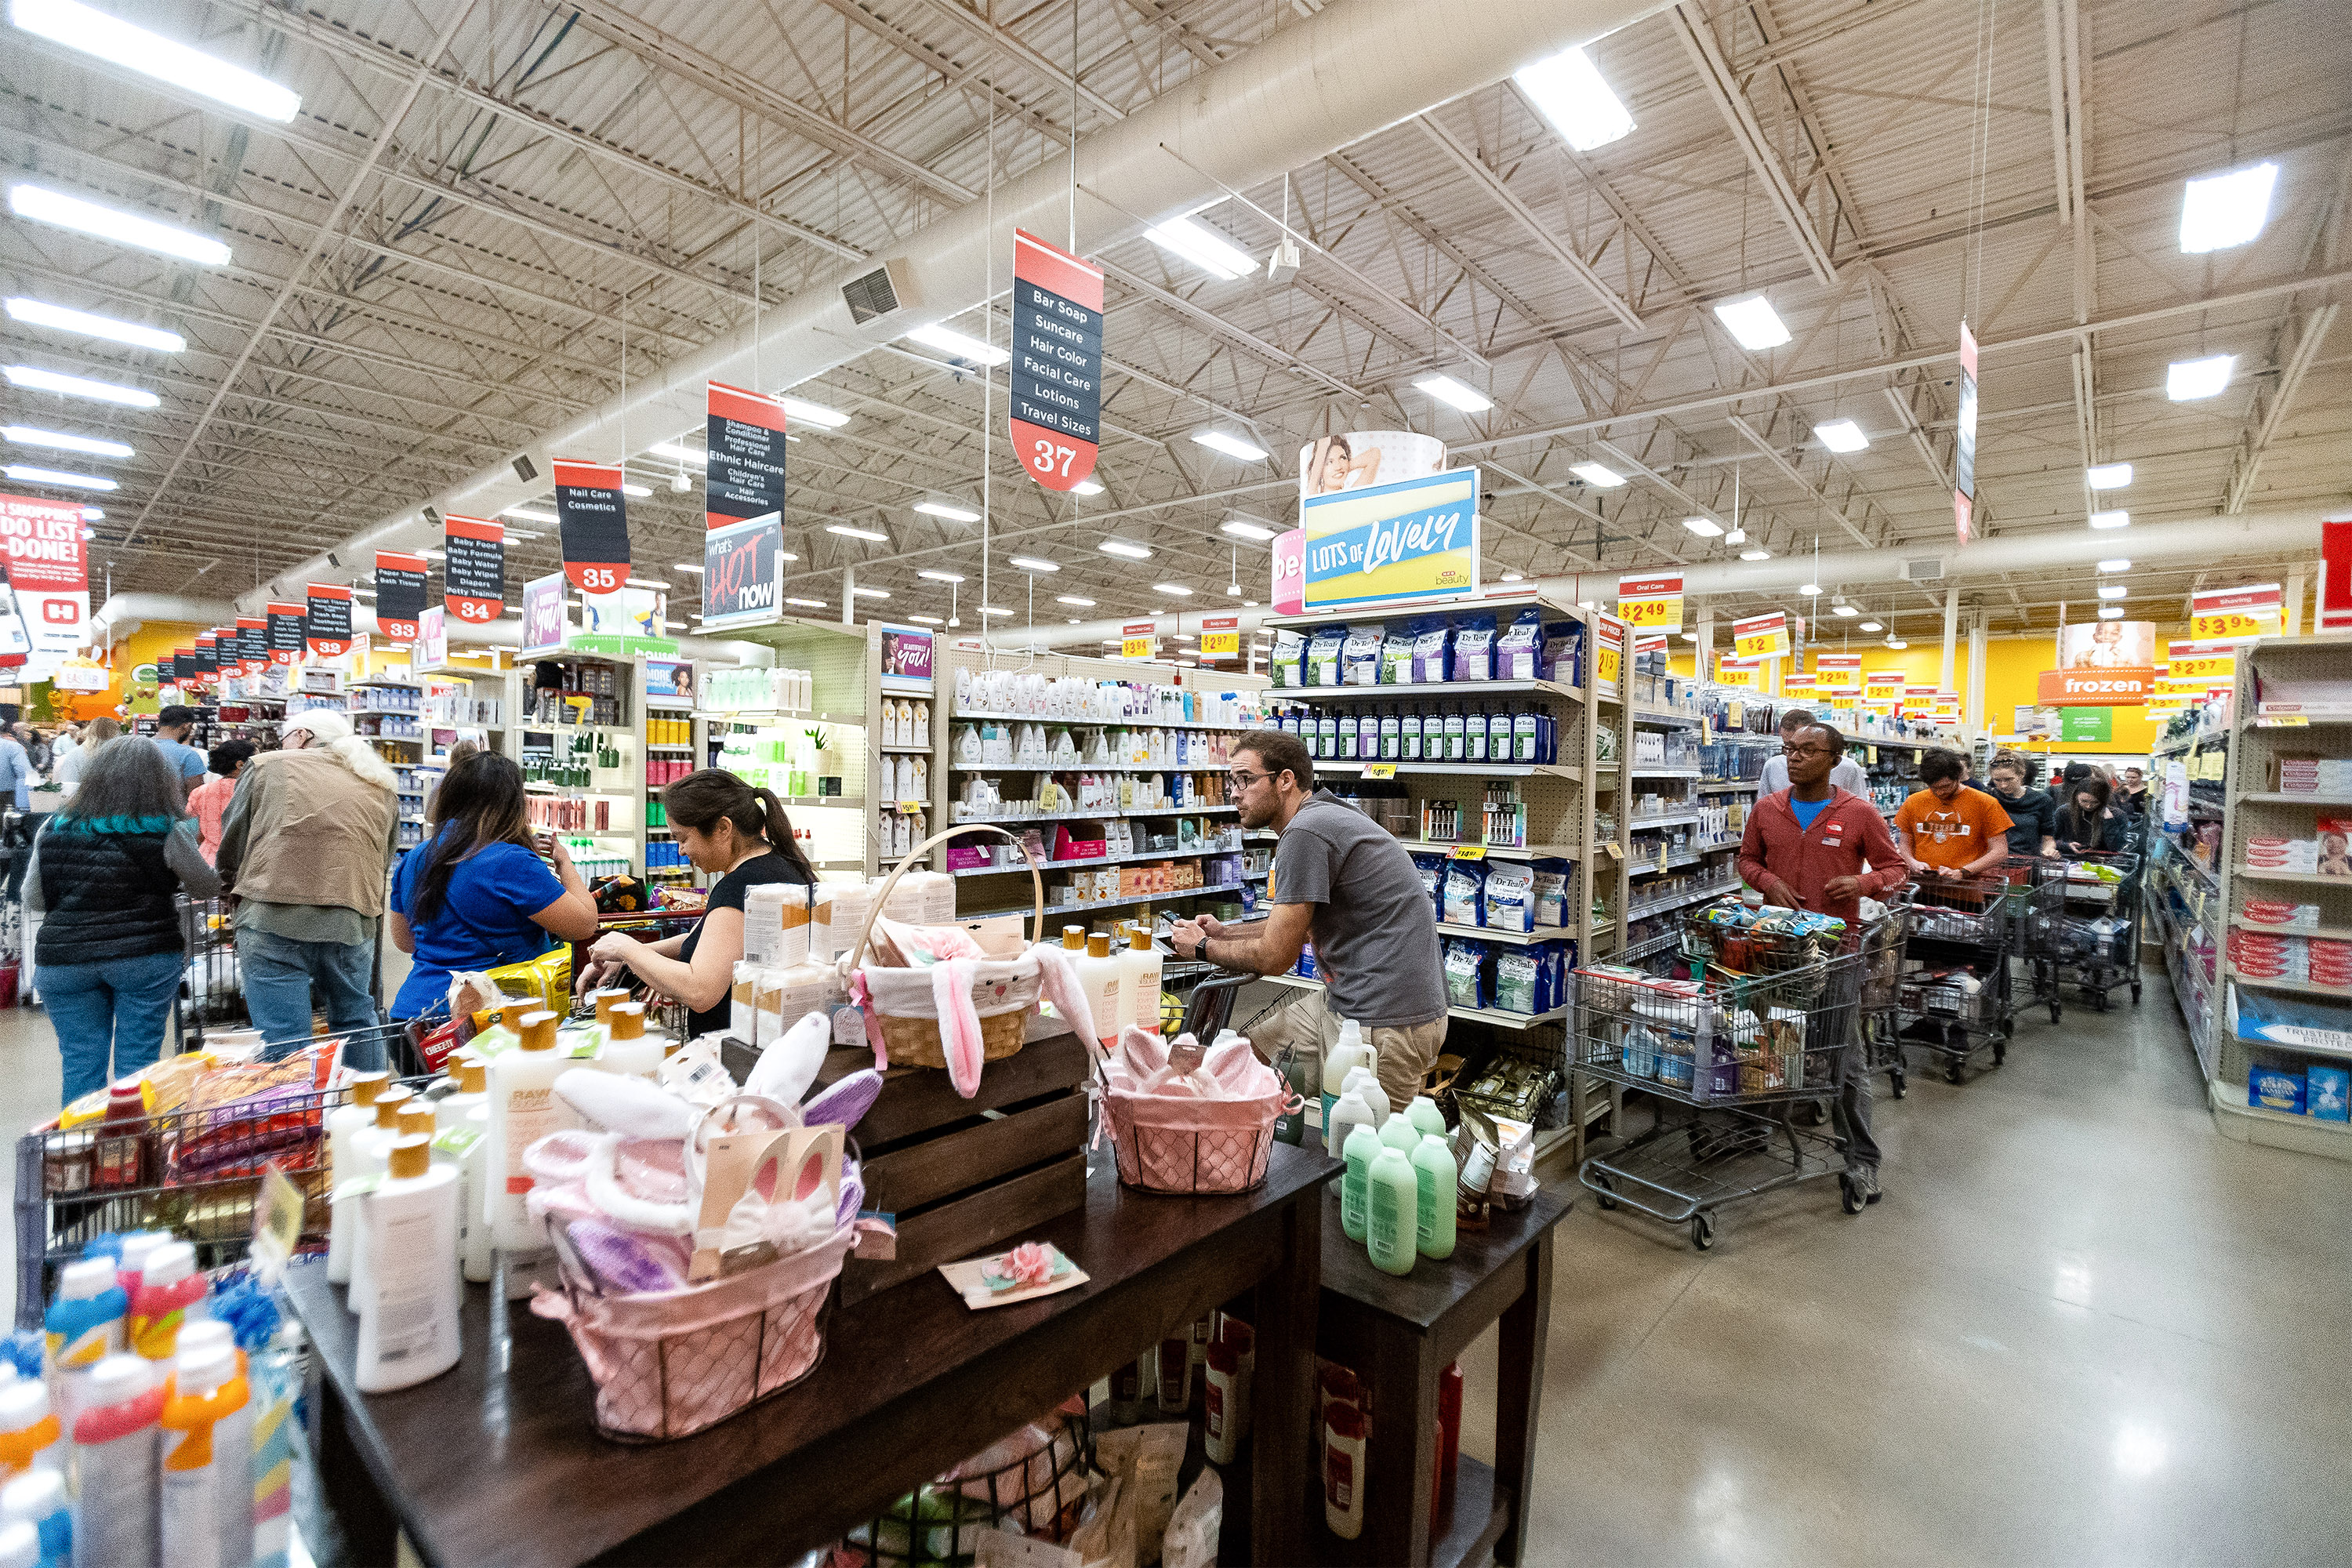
{"x": 84, "y": 1325}
{"x": 341, "y": 1123}
{"x": 1425, "y": 1117}
{"x": 359, "y": 1165}
{"x": 1139, "y": 968}
{"x": 170, "y": 1292}
{"x": 206, "y": 1391}
{"x": 1435, "y": 1179}
{"x": 1343, "y": 1470}
{"x": 628, "y": 1049}
{"x": 523, "y": 1110}
{"x": 408, "y": 1319}
{"x": 1391, "y": 1210}
{"x": 480, "y": 1245}
{"x": 1348, "y": 1052}
{"x": 1365, "y": 1081}
{"x": 1400, "y": 1134}
{"x": 114, "y": 1454}
{"x": 232, "y": 1444}
{"x": 1363, "y": 1145}
{"x": 1349, "y": 1112}
{"x": 1098, "y": 979}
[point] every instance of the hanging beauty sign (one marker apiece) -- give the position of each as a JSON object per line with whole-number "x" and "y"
{"x": 743, "y": 456}
{"x": 399, "y": 593}
{"x": 327, "y": 621}
{"x": 472, "y": 569}
{"x": 252, "y": 644}
{"x": 1056, "y": 408}
{"x": 592, "y": 513}
{"x": 285, "y": 633}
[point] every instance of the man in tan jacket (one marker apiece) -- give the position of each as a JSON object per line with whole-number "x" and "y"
{"x": 305, "y": 846}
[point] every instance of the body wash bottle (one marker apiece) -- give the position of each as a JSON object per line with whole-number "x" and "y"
{"x": 523, "y": 1110}
{"x": 1435, "y": 1182}
{"x": 1361, "y": 1147}
{"x": 1098, "y": 979}
{"x": 1392, "y": 1211}
{"x": 409, "y": 1322}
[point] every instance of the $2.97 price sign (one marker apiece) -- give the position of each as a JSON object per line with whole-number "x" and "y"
{"x": 1055, "y": 410}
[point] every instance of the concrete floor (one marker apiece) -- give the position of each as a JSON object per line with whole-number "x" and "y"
{"x": 2082, "y": 1329}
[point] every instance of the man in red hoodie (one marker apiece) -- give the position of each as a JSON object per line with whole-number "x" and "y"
{"x": 1815, "y": 846}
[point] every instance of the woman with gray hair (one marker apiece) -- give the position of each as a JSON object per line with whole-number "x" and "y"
{"x": 106, "y": 870}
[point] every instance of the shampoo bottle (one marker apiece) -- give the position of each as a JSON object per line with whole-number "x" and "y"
{"x": 1139, "y": 968}
{"x": 207, "y": 1389}
{"x": 114, "y": 1454}
{"x": 232, "y": 1446}
{"x": 1225, "y": 1409}
{"x": 341, "y": 1123}
{"x": 1098, "y": 979}
{"x": 480, "y": 1253}
{"x": 408, "y": 1319}
{"x": 1400, "y": 1134}
{"x": 30, "y": 1432}
{"x": 1363, "y": 1145}
{"x": 1391, "y": 1210}
{"x": 628, "y": 1049}
{"x": 523, "y": 1109}
{"x": 358, "y": 1166}
{"x": 1347, "y": 1114}
{"x": 1365, "y": 1081}
{"x": 171, "y": 1294}
{"x": 1424, "y": 1115}
{"x": 38, "y": 1499}
{"x": 1432, "y": 1165}
{"x": 85, "y": 1325}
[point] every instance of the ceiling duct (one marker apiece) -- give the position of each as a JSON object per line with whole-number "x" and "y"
{"x": 882, "y": 293}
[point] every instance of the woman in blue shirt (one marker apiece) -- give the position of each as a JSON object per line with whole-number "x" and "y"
{"x": 477, "y": 895}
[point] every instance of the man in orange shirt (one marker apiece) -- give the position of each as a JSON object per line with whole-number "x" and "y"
{"x": 1947, "y": 830}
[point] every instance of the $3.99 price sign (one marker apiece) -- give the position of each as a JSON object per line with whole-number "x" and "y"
{"x": 1054, "y": 409}
{"x": 2235, "y": 615}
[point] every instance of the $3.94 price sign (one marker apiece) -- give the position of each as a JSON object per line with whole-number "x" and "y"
{"x": 1054, "y": 409}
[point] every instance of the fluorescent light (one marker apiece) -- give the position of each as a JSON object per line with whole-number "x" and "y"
{"x": 1241, "y": 529}
{"x": 1841, "y": 436}
{"x": 2112, "y": 613}
{"x": 34, "y": 380}
{"x": 2113, "y": 590}
{"x": 1568, "y": 90}
{"x": 45, "y": 205}
{"x": 1847, "y": 610}
{"x": 948, "y": 341}
{"x": 1231, "y": 446}
{"x": 1690, "y": 636}
{"x": 1121, "y": 547}
{"x": 1810, "y": 590}
{"x": 1756, "y": 555}
{"x": 1599, "y": 478}
{"x": 528, "y": 515}
{"x": 1752, "y": 322}
{"x": 673, "y": 450}
{"x": 630, "y": 489}
{"x": 1033, "y": 563}
{"x": 119, "y": 43}
{"x": 40, "y": 313}
{"x": 941, "y": 576}
{"x": 2115, "y": 563}
{"x": 28, "y": 436}
{"x": 1087, "y": 487}
{"x": 1896, "y": 642}
{"x": 93, "y": 513}
{"x": 847, "y": 531}
{"x": 1705, "y": 527}
{"x": 871, "y": 592}
{"x": 807, "y": 604}
{"x": 1871, "y": 627}
{"x": 686, "y": 566}
{"x": 2187, "y": 380}
{"x": 941, "y": 509}
{"x": 1074, "y": 601}
{"x": 2109, "y": 476}
{"x": 643, "y": 583}
{"x": 25, "y": 474}
{"x": 813, "y": 412}
{"x": 788, "y": 555}
{"x": 1446, "y": 389}
{"x": 993, "y": 610}
{"x": 1514, "y": 576}
{"x": 1203, "y": 248}
{"x": 924, "y": 620}
{"x": 2221, "y": 211}
{"x": 2111, "y": 520}
{"x": 1176, "y": 589}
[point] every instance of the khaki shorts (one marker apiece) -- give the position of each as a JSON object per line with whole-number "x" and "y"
{"x": 1404, "y": 1056}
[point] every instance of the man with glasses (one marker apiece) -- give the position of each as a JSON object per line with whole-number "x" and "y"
{"x": 1814, "y": 846}
{"x": 1847, "y": 774}
{"x": 1343, "y": 881}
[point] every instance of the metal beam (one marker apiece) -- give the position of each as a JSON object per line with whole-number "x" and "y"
{"x": 1721, "y": 83}
{"x": 2248, "y": 462}
{"x": 1501, "y": 195}
{"x": 1788, "y": 472}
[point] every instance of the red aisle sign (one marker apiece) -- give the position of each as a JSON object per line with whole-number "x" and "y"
{"x": 474, "y": 569}
{"x": 743, "y": 456}
{"x": 1964, "y": 445}
{"x": 592, "y": 515}
{"x": 2335, "y": 573}
{"x": 399, "y": 582}
{"x": 327, "y": 620}
{"x": 285, "y": 633}
{"x": 252, "y": 644}
{"x": 1054, "y": 409}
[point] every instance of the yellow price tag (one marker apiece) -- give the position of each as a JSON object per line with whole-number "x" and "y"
{"x": 1221, "y": 642}
{"x": 1615, "y": 853}
{"x": 910, "y": 805}
{"x": 1652, "y": 614}
{"x": 1137, "y": 647}
{"x": 1379, "y": 770}
{"x": 2288, "y": 721}
{"x": 1469, "y": 852}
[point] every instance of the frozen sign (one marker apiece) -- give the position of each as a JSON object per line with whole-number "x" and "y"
{"x": 1414, "y": 540}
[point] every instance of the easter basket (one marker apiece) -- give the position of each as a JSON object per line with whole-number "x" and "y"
{"x": 1005, "y": 986}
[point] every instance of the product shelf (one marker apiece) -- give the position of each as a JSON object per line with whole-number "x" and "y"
{"x": 1462, "y": 688}
{"x": 1508, "y": 938}
{"x": 2302, "y": 879}
{"x": 2292, "y": 988}
{"x": 1661, "y": 906}
{"x": 1470, "y": 1015}
{"x": 2277, "y": 797}
{"x": 1495, "y": 851}
{"x": 1669, "y": 820}
{"x": 1666, "y": 716}
{"x": 1067, "y": 722}
{"x": 1652, "y": 868}
{"x": 1053, "y": 909}
{"x": 2320, "y": 1135}
{"x": 1021, "y": 868}
{"x": 1465, "y": 770}
{"x": 1090, "y": 767}
{"x": 1092, "y": 815}
{"x": 1638, "y": 773}
{"x": 1728, "y": 786}
{"x": 2324, "y": 933}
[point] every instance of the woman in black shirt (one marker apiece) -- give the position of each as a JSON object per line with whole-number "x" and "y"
{"x": 2031, "y": 812}
{"x": 740, "y": 835}
{"x": 2088, "y": 824}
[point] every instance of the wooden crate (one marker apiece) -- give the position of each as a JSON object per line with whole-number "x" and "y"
{"x": 963, "y": 1175}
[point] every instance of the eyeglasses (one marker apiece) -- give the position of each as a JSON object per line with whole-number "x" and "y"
{"x": 1241, "y": 779}
{"x": 1805, "y": 751}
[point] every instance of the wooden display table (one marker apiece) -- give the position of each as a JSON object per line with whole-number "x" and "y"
{"x": 498, "y": 1461}
{"x": 1398, "y": 1334}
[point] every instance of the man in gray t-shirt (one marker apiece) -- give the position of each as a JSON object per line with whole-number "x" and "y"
{"x": 1342, "y": 880}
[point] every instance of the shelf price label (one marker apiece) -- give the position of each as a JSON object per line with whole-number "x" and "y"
{"x": 1747, "y": 674}
{"x": 2235, "y": 615}
{"x": 1652, "y": 602}
{"x": 1608, "y": 656}
{"x": 1761, "y": 636}
{"x": 1379, "y": 770}
{"x": 1469, "y": 852}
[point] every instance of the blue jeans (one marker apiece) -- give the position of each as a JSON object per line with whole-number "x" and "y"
{"x": 279, "y": 975}
{"x": 109, "y": 1013}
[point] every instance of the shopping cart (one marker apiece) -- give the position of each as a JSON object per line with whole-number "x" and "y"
{"x": 212, "y": 994}
{"x": 1727, "y": 1055}
{"x": 1958, "y": 995}
{"x": 2097, "y": 932}
{"x": 1879, "y": 1016}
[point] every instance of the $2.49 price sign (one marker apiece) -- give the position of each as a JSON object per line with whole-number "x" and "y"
{"x": 1651, "y": 603}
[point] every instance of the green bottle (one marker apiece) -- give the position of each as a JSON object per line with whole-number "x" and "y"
{"x": 1400, "y": 1134}
{"x": 1424, "y": 1115}
{"x": 1433, "y": 1166}
{"x": 1392, "y": 1194}
{"x": 1362, "y": 1145}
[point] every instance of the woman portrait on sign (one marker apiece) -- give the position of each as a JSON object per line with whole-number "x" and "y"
{"x": 1332, "y": 466}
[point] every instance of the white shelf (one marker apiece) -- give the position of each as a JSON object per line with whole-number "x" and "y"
{"x": 1664, "y": 716}
{"x": 1462, "y": 688}
{"x": 2302, "y": 878}
{"x": 2292, "y": 988}
{"x": 1509, "y": 938}
{"x": 2284, "y": 797}
{"x": 1652, "y": 868}
{"x": 2324, "y": 933}
{"x": 1642, "y": 773}
{"x": 1496, "y": 851}
{"x": 1067, "y": 721}
{"x": 1662, "y": 906}
{"x": 906, "y": 750}
{"x": 1086, "y": 815}
{"x": 1090, "y": 767}
{"x": 1053, "y": 909}
{"x": 1729, "y": 786}
{"x": 1472, "y": 1014}
{"x": 1021, "y": 868}
{"x": 2280, "y": 1129}
{"x": 1669, "y": 820}
{"x": 1473, "y": 770}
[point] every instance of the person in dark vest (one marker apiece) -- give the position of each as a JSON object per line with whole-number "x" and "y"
{"x": 105, "y": 871}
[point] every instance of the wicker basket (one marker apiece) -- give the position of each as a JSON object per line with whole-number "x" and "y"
{"x": 1003, "y": 989}
{"x": 672, "y": 1363}
{"x": 1190, "y": 1146}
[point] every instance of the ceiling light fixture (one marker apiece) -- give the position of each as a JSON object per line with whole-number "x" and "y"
{"x": 924, "y": 620}
{"x": 630, "y": 489}
{"x": 2109, "y": 476}
{"x": 1599, "y": 478}
{"x": 1846, "y": 610}
{"x": 117, "y": 42}
{"x": 2218, "y": 212}
{"x": 1121, "y": 547}
{"x": 994, "y": 610}
{"x": 807, "y": 604}
{"x": 28, "y": 436}
{"x": 672, "y": 450}
{"x": 1896, "y": 642}
{"x": 948, "y": 341}
{"x": 58, "y": 317}
{"x": 686, "y": 566}
{"x": 863, "y": 592}
{"x": 1752, "y": 322}
{"x": 1446, "y": 389}
{"x": 947, "y": 509}
{"x": 1074, "y": 600}
{"x": 1841, "y": 436}
{"x": 1514, "y": 577}
{"x": 1240, "y": 530}
{"x": 36, "y": 380}
{"x": 2188, "y": 379}
{"x": 1871, "y": 627}
{"x": 813, "y": 412}
{"x": 93, "y": 514}
{"x": 2111, "y": 520}
{"x": 1705, "y": 527}
{"x": 26, "y": 474}
{"x": 1033, "y": 563}
{"x": 941, "y": 576}
{"x": 644, "y": 583}
{"x": 1568, "y": 90}
{"x": 1231, "y": 446}
{"x": 1810, "y": 590}
{"x": 1756, "y": 555}
{"x": 2115, "y": 563}
{"x": 1087, "y": 487}
{"x": 847, "y": 531}
{"x": 2114, "y": 591}
{"x": 1176, "y": 589}
{"x": 2111, "y": 613}
{"x": 1203, "y": 248}
{"x": 55, "y": 208}
{"x": 528, "y": 515}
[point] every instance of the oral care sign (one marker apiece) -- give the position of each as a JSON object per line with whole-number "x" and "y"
{"x": 1412, "y": 540}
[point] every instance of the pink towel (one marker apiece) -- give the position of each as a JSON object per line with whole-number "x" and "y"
{"x": 959, "y": 1039}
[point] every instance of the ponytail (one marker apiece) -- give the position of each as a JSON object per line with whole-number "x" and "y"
{"x": 779, "y": 832}
{"x": 705, "y": 797}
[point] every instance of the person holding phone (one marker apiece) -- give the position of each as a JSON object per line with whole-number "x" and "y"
{"x": 1948, "y": 831}
{"x": 483, "y": 890}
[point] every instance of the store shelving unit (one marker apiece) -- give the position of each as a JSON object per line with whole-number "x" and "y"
{"x": 387, "y": 711}
{"x": 604, "y": 746}
{"x": 844, "y": 663}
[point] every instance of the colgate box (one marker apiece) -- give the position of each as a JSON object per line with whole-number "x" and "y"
{"x": 2277, "y": 912}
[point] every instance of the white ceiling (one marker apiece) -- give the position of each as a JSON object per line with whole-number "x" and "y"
{"x": 577, "y": 193}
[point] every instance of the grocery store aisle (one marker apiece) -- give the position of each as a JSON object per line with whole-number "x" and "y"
{"x": 2082, "y": 1328}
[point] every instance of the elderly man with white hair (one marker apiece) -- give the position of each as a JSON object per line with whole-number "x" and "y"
{"x": 305, "y": 846}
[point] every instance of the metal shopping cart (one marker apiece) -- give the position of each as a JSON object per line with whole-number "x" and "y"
{"x": 212, "y": 995}
{"x": 1958, "y": 994}
{"x": 1726, "y": 1055}
{"x": 2097, "y": 932}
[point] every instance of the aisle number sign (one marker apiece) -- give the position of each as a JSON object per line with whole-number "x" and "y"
{"x": 1609, "y": 655}
{"x": 1054, "y": 409}
{"x": 285, "y": 633}
{"x": 1761, "y": 636}
{"x": 1652, "y": 602}
{"x": 1139, "y": 639}
{"x": 2235, "y": 615}
{"x": 1746, "y": 674}
{"x": 474, "y": 569}
{"x": 252, "y": 644}
{"x": 1838, "y": 672}
{"x": 1221, "y": 636}
{"x": 400, "y": 580}
{"x": 327, "y": 620}
{"x": 743, "y": 456}
{"x": 1883, "y": 688}
{"x": 592, "y": 515}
